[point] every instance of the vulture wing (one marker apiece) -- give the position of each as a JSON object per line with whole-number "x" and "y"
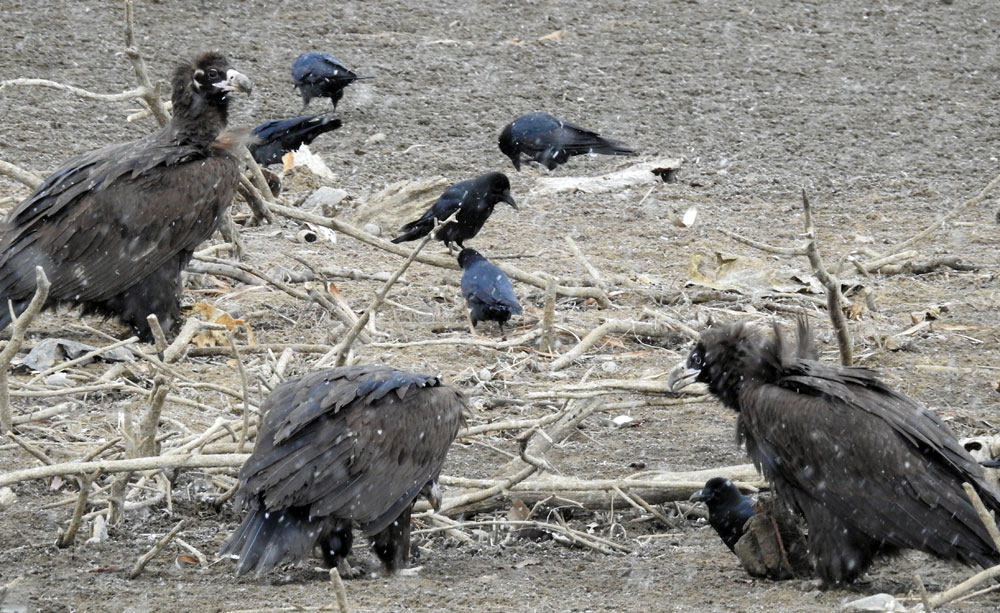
{"x": 355, "y": 443}
{"x": 872, "y": 457}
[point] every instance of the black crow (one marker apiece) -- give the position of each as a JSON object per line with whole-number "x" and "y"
{"x": 871, "y": 470}
{"x": 471, "y": 202}
{"x": 113, "y": 228}
{"x": 728, "y": 509}
{"x": 551, "y": 141}
{"x": 487, "y": 290}
{"x": 318, "y": 75}
{"x": 279, "y": 136}
{"x": 339, "y": 447}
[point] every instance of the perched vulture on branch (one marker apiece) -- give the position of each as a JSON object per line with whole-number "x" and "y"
{"x": 338, "y": 447}
{"x": 279, "y": 136}
{"x": 551, "y": 141}
{"x": 471, "y": 203}
{"x": 113, "y": 228}
{"x": 871, "y": 470}
{"x": 487, "y": 290}
{"x": 318, "y": 75}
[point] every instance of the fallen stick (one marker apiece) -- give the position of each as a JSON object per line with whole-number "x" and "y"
{"x": 228, "y": 460}
{"x": 611, "y": 326}
{"x": 157, "y": 548}
{"x": 19, "y": 327}
{"x": 434, "y": 260}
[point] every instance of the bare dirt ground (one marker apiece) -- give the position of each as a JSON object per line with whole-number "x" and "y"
{"x": 886, "y": 113}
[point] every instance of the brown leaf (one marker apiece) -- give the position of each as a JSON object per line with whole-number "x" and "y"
{"x": 186, "y": 559}
{"x": 518, "y": 511}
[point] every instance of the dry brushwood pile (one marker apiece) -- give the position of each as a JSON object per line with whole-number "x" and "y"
{"x": 832, "y": 160}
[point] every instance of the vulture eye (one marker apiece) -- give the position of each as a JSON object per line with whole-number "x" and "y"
{"x": 695, "y": 359}
{"x": 213, "y": 74}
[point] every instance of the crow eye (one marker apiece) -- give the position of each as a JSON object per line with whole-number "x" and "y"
{"x": 213, "y": 74}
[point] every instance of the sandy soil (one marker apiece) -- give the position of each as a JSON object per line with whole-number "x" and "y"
{"x": 887, "y": 113}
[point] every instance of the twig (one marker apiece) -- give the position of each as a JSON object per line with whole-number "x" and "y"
{"x": 148, "y": 91}
{"x": 440, "y": 261}
{"x": 40, "y": 455}
{"x": 67, "y": 538}
{"x": 594, "y": 542}
{"x": 831, "y": 284}
{"x": 948, "y": 216}
{"x": 146, "y": 438}
{"x": 159, "y": 338}
{"x": 763, "y": 246}
{"x": 984, "y": 515}
{"x": 611, "y": 326}
{"x": 157, "y": 548}
{"x": 339, "y": 590}
{"x": 19, "y": 327}
{"x": 76, "y": 91}
{"x": 246, "y": 389}
{"x": 344, "y": 347}
{"x": 548, "y": 317}
{"x": 166, "y": 461}
{"x": 596, "y": 276}
{"x": 19, "y": 174}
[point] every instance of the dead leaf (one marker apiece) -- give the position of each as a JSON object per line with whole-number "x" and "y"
{"x": 186, "y": 559}
{"x": 552, "y": 36}
{"x": 527, "y": 562}
{"x": 518, "y": 511}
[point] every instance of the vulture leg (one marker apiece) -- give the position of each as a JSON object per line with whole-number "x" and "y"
{"x": 392, "y": 545}
{"x": 335, "y": 548}
{"x": 840, "y": 551}
{"x": 158, "y": 293}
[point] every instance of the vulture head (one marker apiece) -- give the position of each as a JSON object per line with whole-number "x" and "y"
{"x": 726, "y": 358}
{"x": 200, "y": 96}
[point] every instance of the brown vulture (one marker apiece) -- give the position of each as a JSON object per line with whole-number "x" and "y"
{"x": 338, "y": 447}
{"x": 113, "y": 228}
{"x": 871, "y": 470}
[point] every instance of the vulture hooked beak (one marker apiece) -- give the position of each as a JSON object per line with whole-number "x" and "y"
{"x": 509, "y": 199}
{"x": 682, "y": 376}
{"x": 235, "y": 82}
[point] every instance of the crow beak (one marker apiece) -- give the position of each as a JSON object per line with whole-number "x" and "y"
{"x": 434, "y": 497}
{"x": 699, "y": 496}
{"x": 681, "y": 376}
{"x": 517, "y": 161}
{"x": 236, "y": 82}
{"x": 509, "y": 199}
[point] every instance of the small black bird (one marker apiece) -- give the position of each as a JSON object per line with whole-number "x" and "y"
{"x": 338, "y": 447}
{"x": 728, "y": 509}
{"x": 871, "y": 470}
{"x": 551, "y": 141}
{"x": 487, "y": 290}
{"x": 114, "y": 228}
{"x": 279, "y": 136}
{"x": 471, "y": 202}
{"x": 318, "y": 75}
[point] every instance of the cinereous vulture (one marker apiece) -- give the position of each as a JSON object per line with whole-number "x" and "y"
{"x": 871, "y": 470}
{"x": 113, "y": 228}
{"x": 341, "y": 447}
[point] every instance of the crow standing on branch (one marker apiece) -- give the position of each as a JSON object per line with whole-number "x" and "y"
{"x": 338, "y": 447}
{"x": 551, "y": 141}
{"x": 113, "y": 228}
{"x": 871, "y": 470}
{"x": 279, "y": 136}
{"x": 318, "y": 75}
{"x": 471, "y": 203}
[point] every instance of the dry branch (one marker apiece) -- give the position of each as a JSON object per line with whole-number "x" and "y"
{"x": 19, "y": 325}
{"x": 230, "y": 460}
{"x": 611, "y": 326}
{"x": 19, "y": 174}
{"x": 433, "y": 260}
{"x": 157, "y": 548}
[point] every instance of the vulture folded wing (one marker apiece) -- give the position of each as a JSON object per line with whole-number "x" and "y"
{"x": 871, "y": 458}
{"x": 115, "y": 210}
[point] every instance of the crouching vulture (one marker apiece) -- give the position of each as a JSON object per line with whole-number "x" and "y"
{"x": 871, "y": 470}
{"x": 338, "y": 447}
{"x": 113, "y": 228}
